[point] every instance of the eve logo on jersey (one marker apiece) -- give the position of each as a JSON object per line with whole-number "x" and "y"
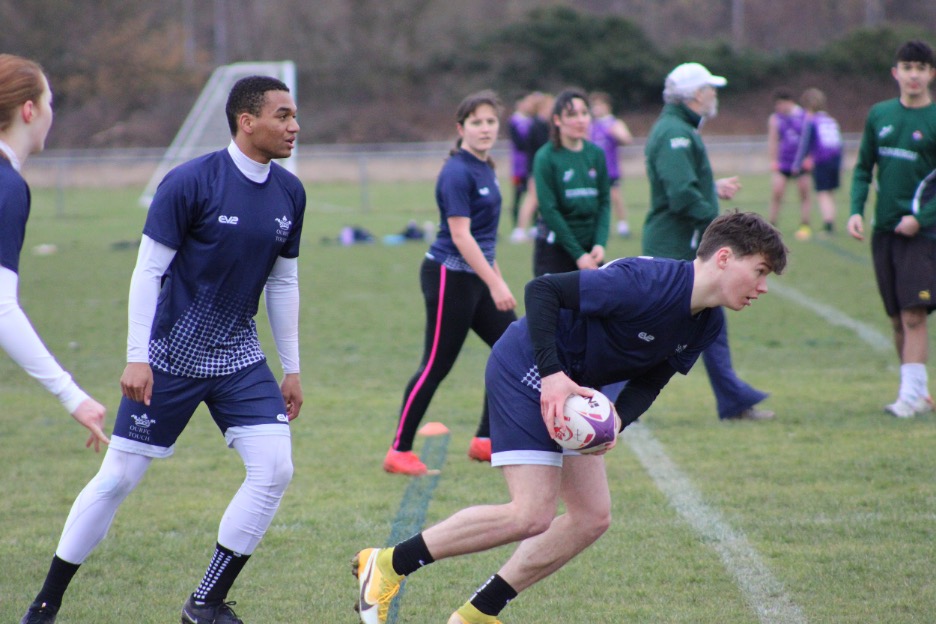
{"x": 568, "y": 175}
{"x": 484, "y": 192}
{"x": 228, "y": 220}
{"x": 681, "y": 348}
{"x": 679, "y": 143}
{"x": 883, "y": 132}
{"x": 646, "y": 337}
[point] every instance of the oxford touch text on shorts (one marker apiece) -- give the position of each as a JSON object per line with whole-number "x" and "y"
{"x": 245, "y": 403}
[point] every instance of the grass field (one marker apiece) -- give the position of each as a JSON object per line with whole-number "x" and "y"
{"x": 834, "y": 501}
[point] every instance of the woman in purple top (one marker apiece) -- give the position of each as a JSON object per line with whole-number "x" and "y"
{"x": 608, "y": 132}
{"x": 822, "y": 148}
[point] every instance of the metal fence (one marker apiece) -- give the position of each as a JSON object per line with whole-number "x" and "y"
{"x": 362, "y": 164}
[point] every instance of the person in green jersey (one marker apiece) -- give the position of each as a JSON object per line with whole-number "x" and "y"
{"x": 573, "y": 191}
{"x": 900, "y": 142}
{"x": 684, "y": 198}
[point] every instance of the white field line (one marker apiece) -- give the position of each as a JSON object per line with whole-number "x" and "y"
{"x": 765, "y": 594}
{"x": 869, "y": 334}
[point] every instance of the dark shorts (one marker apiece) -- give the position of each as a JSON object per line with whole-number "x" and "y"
{"x": 826, "y": 174}
{"x": 786, "y": 173}
{"x": 518, "y": 434}
{"x": 248, "y": 402}
{"x": 551, "y": 257}
{"x": 615, "y": 181}
{"x": 905, "y": 268}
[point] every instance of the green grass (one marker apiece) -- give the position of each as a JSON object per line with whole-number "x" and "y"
{"x": 837, "y": 499}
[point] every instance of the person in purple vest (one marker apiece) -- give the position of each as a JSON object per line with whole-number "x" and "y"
{"x": 608, "y": 132}
{"x": 519, "y": 126}
{"x": 822, "y": 148}
{"x": 784, "y": 134}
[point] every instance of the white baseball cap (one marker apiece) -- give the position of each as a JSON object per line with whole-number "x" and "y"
{"x": 688, "y": 78}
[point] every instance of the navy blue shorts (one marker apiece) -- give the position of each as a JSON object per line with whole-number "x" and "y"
{"x": 246, "y": 403}
{"x": 518, "y": 434}
{"x": 826, "y": 174}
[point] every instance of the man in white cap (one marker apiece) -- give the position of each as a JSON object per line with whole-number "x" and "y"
{"x": 683, "y": 200}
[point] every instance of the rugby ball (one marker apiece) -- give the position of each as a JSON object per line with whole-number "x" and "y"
{"x": 590, "y": 424}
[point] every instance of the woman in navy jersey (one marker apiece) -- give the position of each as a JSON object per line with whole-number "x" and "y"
{"x": 25, "y": 121}
{"x": 460, "y": 279}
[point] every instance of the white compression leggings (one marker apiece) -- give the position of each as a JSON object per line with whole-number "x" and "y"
{"x": 268, "y": 460}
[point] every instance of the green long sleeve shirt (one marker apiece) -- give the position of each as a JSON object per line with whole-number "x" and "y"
{"x": 574, "y": 195}
{"x": 901, "y": 142}
{"x": 683, "y": 199}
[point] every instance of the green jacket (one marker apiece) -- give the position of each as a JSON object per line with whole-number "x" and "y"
{"x": 683, "y": 199}
{"x": 574, "y": 196}
{"x": 901, "y": 143}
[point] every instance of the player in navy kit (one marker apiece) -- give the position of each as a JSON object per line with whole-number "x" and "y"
{"x": 25, "y": 121}
{"x": 636, "y": 319}
{"x": 221, "y": 229}
{"x": 461, "y": 282}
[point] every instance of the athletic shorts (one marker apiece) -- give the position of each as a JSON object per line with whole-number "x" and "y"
{"x": 246, "y": 403}
{"x": 520, "y": 181}
{"x": 786, "y": 173}
{"x": 826, "y": 174}
{"x": 518, "y": 434}
{"x": 905, "y": 268}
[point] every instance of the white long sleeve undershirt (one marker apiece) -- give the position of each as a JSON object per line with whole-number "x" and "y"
{"x": 20, "y": 340}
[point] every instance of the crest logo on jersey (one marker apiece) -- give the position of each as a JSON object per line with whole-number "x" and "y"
{"x": 885, "y": 131}
{"x": 228, "y": 220}
{"x": 646, "y": 337}
{"x": 917, "y": 135}
{"x": 484, "y": 192}
{"x": 592, "y": 174}
{"x": 568, "y": 175}
{"x": 284, "y": 223}
{"x": 282, "y": 228}
{"x": 679, "y": 143}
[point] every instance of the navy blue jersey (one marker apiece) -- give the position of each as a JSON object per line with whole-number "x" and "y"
{"x": 227, "y": 232}
{"x": 14, "y": 211}
{"x": 467, "y": 187}
{"x": 634, "y": 314}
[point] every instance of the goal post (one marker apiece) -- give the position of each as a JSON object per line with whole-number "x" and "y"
{"x": 205, "y": 129}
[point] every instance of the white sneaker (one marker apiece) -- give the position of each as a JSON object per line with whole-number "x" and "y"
{"x": 908, "y": 409}
{"x": 923, "y": 405}
{"x": 900, "y": 409}
{"x": 623, "y": 229}
{"x": 518, "y": 236}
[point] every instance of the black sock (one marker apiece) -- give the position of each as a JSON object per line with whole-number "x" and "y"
{"x": 828, "y": 226}
{"x": 410, "y": 555}
{"x": 484, "y": 426}
{"x": 56, "y": 582}
{"x": 493, "y": 596}
{"x": 224, "y": 567}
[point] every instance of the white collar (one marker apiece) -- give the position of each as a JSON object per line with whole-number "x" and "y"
{"x": 10, "y": 154}
{"x": 255, "y": 172}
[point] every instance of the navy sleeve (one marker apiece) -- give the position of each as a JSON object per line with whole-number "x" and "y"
{"x": 641, "y": 392}
{"x": 14, "y": 211}
{"x": 543, "y": 297}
